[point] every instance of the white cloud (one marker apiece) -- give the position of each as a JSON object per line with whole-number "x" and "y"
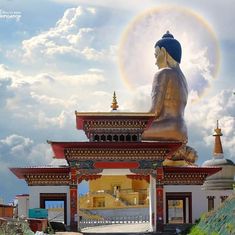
{"x": 60, "y": 121}
{"x": 49, "y": 100}
{"x": 46, "y": 99}
{"x": 220, "y": 106}
{"x": 5, "y": 90}
{"x": 16, "y": 140}
{"x": 40, "y": 154}
{"x": 83, "y": 79}
{"x": 19, "y": 151}
{"x": 95, "y": 70}
{"x": 17, "y": 77}
{"x": 58, "y": 162}
{"x": 72, "y": 36}
{"x": 202, "y": 116}
{"x": 206, "y": 9}
{"x": 139, "y": 101}
{"x": 16, "y": 149}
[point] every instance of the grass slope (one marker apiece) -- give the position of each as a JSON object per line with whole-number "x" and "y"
{"x": 218, "y": 222}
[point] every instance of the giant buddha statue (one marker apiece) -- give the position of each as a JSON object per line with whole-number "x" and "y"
{"x": 169, "y": 93}
{"x": 169, "y": 98}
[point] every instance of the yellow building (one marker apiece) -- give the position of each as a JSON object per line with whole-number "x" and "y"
{"x": 110, "y": 192}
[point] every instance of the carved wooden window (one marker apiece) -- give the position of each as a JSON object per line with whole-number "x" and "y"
{"x": 96, "y": 138}
{"x": 109, "y": 138}
{"x": 134, "y": 137}
{"x": 211, "y": 202}
{"x": 122, "y": 138}
{"x": 103, "y": 138}
{"x": 128, "y": 138}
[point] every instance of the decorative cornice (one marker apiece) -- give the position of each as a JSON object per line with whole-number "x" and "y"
{"x": 114, "y": 131}
{"x": 62, "y": 179}
{"x": 114, "y": 124}
{"x": 47, "y": 179}
{"x": 88, "y": 177}
{"x": 117, "y": 154}
{"x": 125, "y": 150}
{"x": 184, "y": 178}
{"x": 112, "y": 120}
{"x": 144, "y": 172}
{"x": 89, "y": 172}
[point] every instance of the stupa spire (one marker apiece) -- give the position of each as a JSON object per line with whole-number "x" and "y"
{"x": 114, "y": 105}
{"x": 218, "y": 149}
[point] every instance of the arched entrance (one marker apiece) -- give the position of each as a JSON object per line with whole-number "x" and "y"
{"x": 115, "y": 200}
{"x": 178, "y": 207}
{"x": 56, "y": 204}
{"x": 115, "y": 144}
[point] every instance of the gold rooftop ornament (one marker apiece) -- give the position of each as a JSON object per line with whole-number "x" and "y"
{"x": 114, "y": 105}
{"x": 218, "y": 149}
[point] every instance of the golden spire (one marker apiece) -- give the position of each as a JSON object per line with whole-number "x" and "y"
{"x": 114, "y": 105}
{"x": 218, "y": 149}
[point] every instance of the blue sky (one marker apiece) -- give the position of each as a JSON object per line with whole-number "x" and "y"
{"x": 65, "y": 55}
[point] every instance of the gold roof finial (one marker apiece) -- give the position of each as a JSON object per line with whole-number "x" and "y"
{"x": 218, "y": 149}
{"x": 114, "y": 105}
{"x": 217, "y": 129}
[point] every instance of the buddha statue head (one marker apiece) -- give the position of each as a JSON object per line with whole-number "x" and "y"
{"x": 167, "y": 51}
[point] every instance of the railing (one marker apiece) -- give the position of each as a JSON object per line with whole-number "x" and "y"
{"x": 130, "y": 190}
{"x": 87, "y": 214}
{"x": 111, "y": 192}
{"x": 114, "y": 220}
{"x": 121, "y": 198}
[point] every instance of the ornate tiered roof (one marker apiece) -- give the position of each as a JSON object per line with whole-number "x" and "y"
{"x": 114, "y": 143}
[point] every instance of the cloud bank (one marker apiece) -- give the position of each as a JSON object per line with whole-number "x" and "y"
{"x": 199, "y": 56}
{"x": 72, "y": 66}
{"x": 73, "y": 36}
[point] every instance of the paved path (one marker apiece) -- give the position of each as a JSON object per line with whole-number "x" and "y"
{"x": 115, "y": 228}
{"x": 128, "y": 228}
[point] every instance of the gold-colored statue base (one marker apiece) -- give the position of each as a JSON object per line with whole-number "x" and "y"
{"x": 185, "y": 156}
{"x": 168, "y": 162}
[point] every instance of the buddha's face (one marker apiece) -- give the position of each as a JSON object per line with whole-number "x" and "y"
{"x": 163, "y": 59}
{"x": 160, "y": 58}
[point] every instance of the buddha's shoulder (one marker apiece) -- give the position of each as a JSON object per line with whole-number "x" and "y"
{"x": 166, "y": 73}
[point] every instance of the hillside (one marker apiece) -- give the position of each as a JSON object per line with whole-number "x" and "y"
{"x": 218, "y": 222}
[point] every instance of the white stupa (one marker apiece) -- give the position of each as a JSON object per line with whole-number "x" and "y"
{"x": 224, "y": 179}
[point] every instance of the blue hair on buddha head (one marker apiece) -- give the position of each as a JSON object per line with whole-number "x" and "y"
{"x": 171, "y": 45}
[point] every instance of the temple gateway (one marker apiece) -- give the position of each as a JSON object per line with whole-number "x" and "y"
{"x": 138, "y": 164}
